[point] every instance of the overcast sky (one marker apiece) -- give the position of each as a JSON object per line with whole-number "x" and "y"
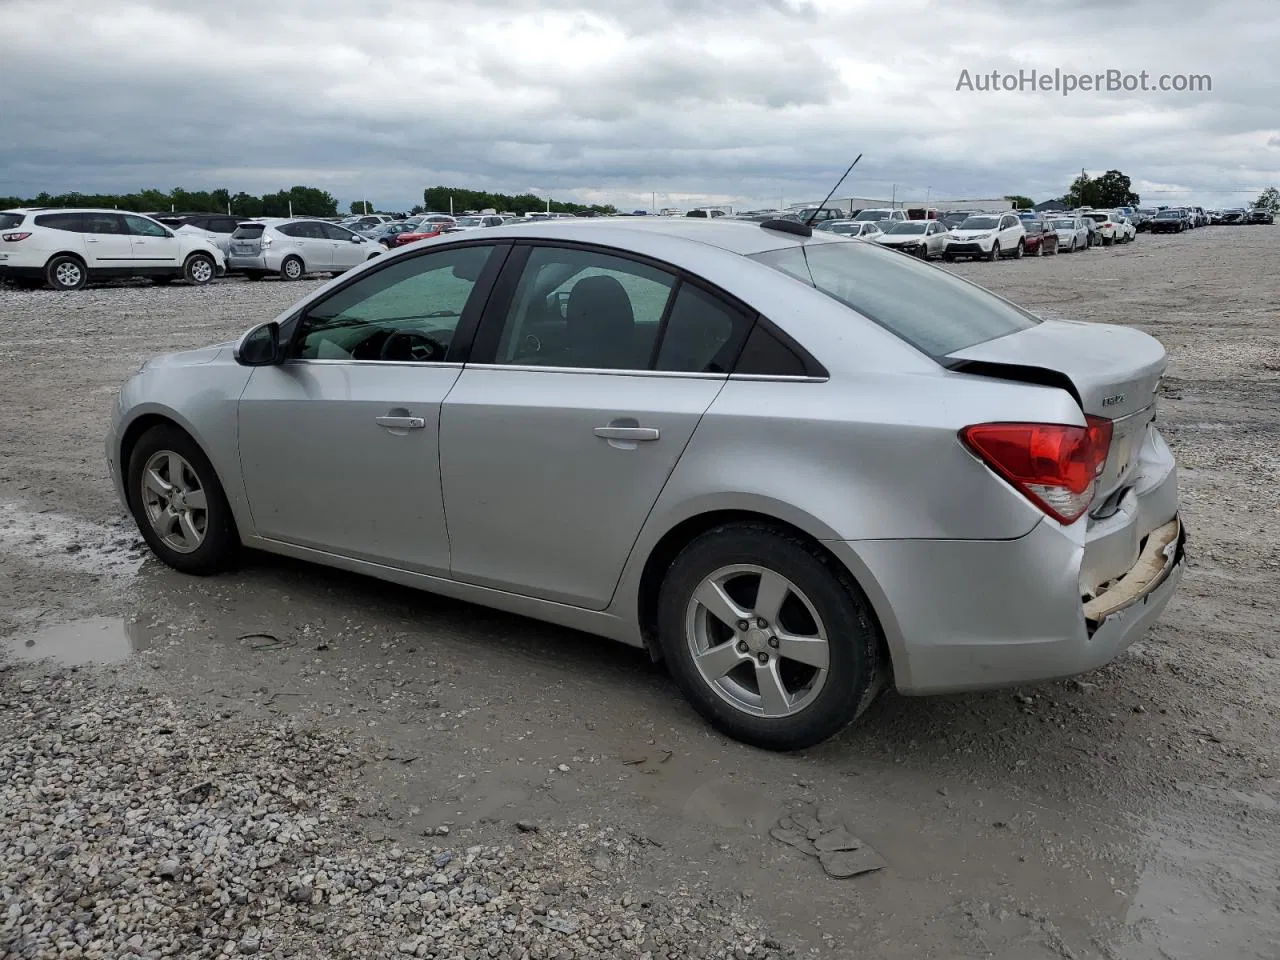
{"x": 746, "y": 102}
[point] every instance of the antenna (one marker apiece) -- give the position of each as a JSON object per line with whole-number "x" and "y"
{"x": 809, "y": 222}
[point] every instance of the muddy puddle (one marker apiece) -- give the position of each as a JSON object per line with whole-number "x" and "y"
{"x": 95, "y": 640}
{"x": 47, "y": 539}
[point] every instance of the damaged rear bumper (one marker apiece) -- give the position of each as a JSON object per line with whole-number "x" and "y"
{"x": 972, "y": 615}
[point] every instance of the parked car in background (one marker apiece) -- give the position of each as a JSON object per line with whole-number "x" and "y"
{"x": 365, "y": 222}
{"x": 1111, "y": 227}
{"x": 1168, "y": 221}
{"x": 1142, "y": 218}
{"x": 1072, "y": 232}
{"x": 67, "y": 248}
{"x": 820, "y": 214}
{"x": 1262, "y": 215}
{"x": 997, "y": 455}
{"x": 866, "y": 229}
{"x": 987, "y": 236}
{"x": 387, "y": 232}
{"x": 953, "y": 218}
{"x": 883, "y": 216}
{"x": 1234, "y": 216}
{"x": 1041, "y": 238}
{"x": 1200, "y": 216}
{"x": 925, "y": 239}
{"x": 424, "y": 231}
{"x": 215, "y": 227}
{"x": 294, "y": 248}
{"x": 477, "y": 222}
{"x": 1127, "y": 232}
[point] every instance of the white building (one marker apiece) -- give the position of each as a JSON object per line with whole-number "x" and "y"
{"x": 914, "y": 203}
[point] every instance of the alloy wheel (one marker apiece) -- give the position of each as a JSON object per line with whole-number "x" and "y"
{"x": 69, "y": 274}
{"x": 175, "y": 501}
{"x": 757, "y": 641}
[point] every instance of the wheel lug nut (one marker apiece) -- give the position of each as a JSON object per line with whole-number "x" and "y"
{"x": 742, "y": 646}
{"x": 744, "y": 625}
{"x": 773, "y": 642}
{"x": 761, "y": 622}
{"x": 762, "y": 658}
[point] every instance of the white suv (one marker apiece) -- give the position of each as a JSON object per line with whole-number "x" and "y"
{"x": 65, "y": 249}
{"x": 294, "y": 248}
{"x": 987, "y": 235}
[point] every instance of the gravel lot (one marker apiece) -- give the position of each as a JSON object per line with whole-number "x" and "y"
{"x": 294, "y": 761}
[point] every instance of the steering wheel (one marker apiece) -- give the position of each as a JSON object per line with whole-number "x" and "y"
{"x": 421, "y": 348}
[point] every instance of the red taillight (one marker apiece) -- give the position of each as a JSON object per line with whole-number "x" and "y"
{"x": 15, "y": 237}
{"x": 1053, "y": 465}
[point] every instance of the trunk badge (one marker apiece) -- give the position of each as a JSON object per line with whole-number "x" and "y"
{"x": 1112, "y": 401}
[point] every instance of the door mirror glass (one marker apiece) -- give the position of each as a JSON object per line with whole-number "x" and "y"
{"x": 260, "y": 347}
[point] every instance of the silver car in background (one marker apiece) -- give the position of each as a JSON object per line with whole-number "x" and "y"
{"x": 796, "y": 467}
{"x": 292, "y": 248}
{"x": 1072, "y": 231}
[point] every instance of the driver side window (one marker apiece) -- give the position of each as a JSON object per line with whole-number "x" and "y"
{"x": 406, "y": 312}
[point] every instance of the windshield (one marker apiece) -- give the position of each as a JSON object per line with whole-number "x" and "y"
{"x": 469, "y": 221}
{"x": 1097, "y": 217}
{"x": 873, "y": 215}
{"x": 942, "y": 314}
{"x": 913, "y": 227}
{"x": 980, "y": 223}
{"x": 10, "y": 220}
{"x": 1064, "y": 224}
{"x": 1168, "y": 215}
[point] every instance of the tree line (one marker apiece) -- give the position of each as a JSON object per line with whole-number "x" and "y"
{"x": 438, "y": 200}
{"x": 306, "y": 201}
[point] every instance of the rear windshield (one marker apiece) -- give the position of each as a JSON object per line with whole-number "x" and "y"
{"x": 10, "y": 220}
{"x": 248, "y": 231}
{"x": 935, "y": 312}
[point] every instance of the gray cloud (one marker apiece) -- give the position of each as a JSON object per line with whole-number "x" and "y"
{"x": 696, "y": 100}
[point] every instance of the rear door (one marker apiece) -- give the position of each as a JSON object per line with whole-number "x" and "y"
{"x": 153, "y": 245}
{"x": 589, "y": 375}
{"x": 311, "y": 242}
{"x": 107, "y": 243}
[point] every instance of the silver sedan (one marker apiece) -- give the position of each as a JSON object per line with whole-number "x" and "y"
{"x": 798, "y": 468}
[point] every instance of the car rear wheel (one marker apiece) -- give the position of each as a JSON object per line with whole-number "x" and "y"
{"x": 291, "y": 269}
{"x": 769, "y": 639}
{"x": 178, "y": 503}
{"x": 995, "y": 251}
{"x": 65, "y": 272}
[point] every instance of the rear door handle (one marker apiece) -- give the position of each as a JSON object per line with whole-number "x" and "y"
{"x": 627, "y": 433}
{"x": 401, "y": 423}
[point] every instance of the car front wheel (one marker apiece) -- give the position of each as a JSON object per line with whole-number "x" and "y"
{"x": 178, "y": 503}
{"x": 771, "y": 641}
{"x": 995, "y": 251}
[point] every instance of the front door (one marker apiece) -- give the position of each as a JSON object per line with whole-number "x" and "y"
{"x": 571, "y": 415}
{"x": 344, "y": 249}
{"x": 153, "y": 245}
{"x": 107, "y": 244}
{"x": 339, "y": 445}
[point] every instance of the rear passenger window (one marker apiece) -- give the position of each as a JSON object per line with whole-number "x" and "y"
{"x": 703, "y": 334}
{"x": 72, "y": 222}
{"x": 767, "y": 355}
{"x": 580, "y": 308}
{"x": 111, "y": 223}
{"x": 248, "y": 231}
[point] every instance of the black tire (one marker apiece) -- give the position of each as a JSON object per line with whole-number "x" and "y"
{"x": 1107, "y": 241}
{"x": 948, "y": 258}
{"x": 162, "y": 281}
{"x": 855, "y": 673}
{"x": 253, "y": 274}
{"x": 1040, "y": 249}
{"x": 995, "y": 251}
{"x": 219, "y": 547}
{"x": 199, "y": 269}
{"x": 374, "y": 256}
{"x": 65, "y": 272}
{"x": 292, "y": 268}
{"x": 1019, "y": 250}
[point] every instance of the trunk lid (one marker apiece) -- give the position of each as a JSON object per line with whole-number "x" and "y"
{"x": 1113, "y": 371}
{"x": 247, "y": 239}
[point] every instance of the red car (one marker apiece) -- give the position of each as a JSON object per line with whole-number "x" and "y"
{"x": 1041, "y": 238}
{"x": 423, "y": 232}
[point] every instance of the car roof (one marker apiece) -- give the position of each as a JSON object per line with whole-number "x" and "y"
{"x": 735, "y": 236}
{"x": 73, "y": 210}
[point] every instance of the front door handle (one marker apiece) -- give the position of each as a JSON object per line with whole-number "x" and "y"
{"x": 400, "y": 423}
{"x": 627, "y": 433}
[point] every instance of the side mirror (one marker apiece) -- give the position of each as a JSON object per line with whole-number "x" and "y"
{"x": 356, "y": 239}
{"x": 260, "y": 347}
